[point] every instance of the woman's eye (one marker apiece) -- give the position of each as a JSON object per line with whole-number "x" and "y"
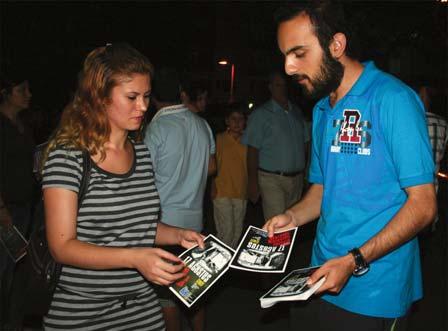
{"x": 132, "y": 98}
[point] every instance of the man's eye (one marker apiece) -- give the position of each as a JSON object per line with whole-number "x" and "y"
{"x": 299, "y": 55}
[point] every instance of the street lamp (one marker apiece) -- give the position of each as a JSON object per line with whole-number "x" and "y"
{"x": 232, "y": 76}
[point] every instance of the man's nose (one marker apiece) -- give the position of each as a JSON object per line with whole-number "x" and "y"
{"x": 290, "y": 66}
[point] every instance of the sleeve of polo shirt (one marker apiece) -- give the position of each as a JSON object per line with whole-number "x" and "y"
{"x": 253, "y": 135}
{"x": 152, "y": 141}
{"x": 403, "y": 123}
{"x": 315, "y": 174}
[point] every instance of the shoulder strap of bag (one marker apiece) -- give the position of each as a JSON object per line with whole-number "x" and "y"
{"x": 86, "y": 169}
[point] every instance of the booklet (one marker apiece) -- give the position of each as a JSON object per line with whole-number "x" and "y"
{"x": 13, "y": 241}
{"x": 292, "y": 288}
{"x": 259, "y": 253}
{"x": 203, "y": 267}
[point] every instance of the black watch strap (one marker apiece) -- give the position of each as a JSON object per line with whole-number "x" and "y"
{"x": 361, "y": 266}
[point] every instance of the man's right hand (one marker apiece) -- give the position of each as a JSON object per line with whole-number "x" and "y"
{"x": 252, "y": 191}
{"x": 279, "y": 223}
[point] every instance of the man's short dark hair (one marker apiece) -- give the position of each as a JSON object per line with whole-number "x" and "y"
{"x": 166, "y": 85}
{"x": 193, "y": 89}
{"x": 327, "y": 17}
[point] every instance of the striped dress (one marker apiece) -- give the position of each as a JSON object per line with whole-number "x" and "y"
{"x": 117, "y": 211}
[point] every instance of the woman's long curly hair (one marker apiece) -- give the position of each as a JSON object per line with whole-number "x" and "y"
{"x": 84, "y": 123}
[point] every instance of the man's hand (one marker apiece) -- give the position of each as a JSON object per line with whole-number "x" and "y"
{"x": 337, "y": 271}
{"x": 189, "y": 238}
{"x": 280, "y": 222}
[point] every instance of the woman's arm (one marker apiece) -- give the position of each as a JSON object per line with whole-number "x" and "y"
{"x": 60, "y": 216}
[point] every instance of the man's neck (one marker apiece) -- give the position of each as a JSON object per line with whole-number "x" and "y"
{"x": 282, "y": 102}
{"x": 160, "y": 105}
{"x": 352, "y": 71}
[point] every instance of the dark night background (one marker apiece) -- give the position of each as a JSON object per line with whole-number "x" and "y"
{"x": 49, "y": 40}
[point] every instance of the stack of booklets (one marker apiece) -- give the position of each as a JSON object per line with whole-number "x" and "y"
{"x": 293, "y": 287}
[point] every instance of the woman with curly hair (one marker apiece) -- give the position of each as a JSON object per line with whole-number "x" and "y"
{"x": 106, "y": 243}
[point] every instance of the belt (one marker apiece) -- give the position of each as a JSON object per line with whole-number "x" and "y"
{"x": 282, "y": 173}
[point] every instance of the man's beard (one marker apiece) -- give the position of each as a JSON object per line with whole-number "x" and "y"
{"x": 328, "y": 79}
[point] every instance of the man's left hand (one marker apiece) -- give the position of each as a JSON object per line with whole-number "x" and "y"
{"x": 337, "y": 271}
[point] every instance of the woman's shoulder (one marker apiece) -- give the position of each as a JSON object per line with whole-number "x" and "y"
{"x": 63, "y": 156}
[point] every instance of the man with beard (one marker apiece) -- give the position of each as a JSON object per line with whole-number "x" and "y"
{"x": 276, "y": 136}
{"x": 372, "y": 175}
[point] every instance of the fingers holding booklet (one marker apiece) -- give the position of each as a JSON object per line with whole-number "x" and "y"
{"x": 293, "y": 287}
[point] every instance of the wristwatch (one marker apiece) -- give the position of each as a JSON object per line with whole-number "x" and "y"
{"x": 361, "y": 266}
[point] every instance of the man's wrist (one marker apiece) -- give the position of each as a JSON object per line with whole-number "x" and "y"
{"x": 293, "y": 217}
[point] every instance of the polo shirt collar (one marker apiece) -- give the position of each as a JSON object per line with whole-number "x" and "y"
{"x": 360, "y": 87}
{"x": 169, "y": 110}
{"x": 276, "y": 107}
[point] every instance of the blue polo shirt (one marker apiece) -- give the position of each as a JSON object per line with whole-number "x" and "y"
{"x": 366, "y": 150}
{"x": 279, "y": 135}
{"x": 180, "y": 143}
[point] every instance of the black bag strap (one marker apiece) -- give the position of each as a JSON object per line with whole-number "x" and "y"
{"x": 86, "y": 169}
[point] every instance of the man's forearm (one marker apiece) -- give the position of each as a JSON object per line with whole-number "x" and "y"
{"x": 418, "y": 211}
{"x": 252, "y": 163}
{"x": 308, "y": 209}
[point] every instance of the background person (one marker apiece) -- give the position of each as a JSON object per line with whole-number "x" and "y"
{"x": 229, "y": 187}
{"x": 182, "y": 148}
{"x": 276, "y": 138}
{"x": 17, "y": 185}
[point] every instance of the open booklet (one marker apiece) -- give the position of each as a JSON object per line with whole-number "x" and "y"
{"x": 259, "y": 253}
{"x": 203, "y": 267}
{"x": 292, "y": 288}
{"x": 13, "y": 241}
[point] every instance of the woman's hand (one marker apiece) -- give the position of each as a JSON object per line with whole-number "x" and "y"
{"x": 189, "y": 238}
{"x": 158, "y": 266}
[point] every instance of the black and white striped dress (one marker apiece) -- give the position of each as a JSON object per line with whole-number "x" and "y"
{"x": 117, "y": 211}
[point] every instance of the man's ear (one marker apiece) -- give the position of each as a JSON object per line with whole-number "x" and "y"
{"x": 184, "y": 97}
{"x": 338, "y": 45}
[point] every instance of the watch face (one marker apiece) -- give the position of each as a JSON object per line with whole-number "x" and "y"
{"x": 359, "y": 271}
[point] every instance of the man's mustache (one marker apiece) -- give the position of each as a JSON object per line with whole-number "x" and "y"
{"x": 298, "y": 77}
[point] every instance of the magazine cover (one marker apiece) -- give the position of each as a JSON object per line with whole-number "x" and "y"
{"x": 14, "y": 242}
{"x": 292, "y": 288}
{"x": 203, "y": 268}
{"x": 259, "y": 253}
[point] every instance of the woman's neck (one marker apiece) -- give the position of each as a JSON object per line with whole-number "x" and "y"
{"x": 117, "y": 140}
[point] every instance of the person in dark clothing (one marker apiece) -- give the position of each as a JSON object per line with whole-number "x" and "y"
{"x": 16, "y": 177}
